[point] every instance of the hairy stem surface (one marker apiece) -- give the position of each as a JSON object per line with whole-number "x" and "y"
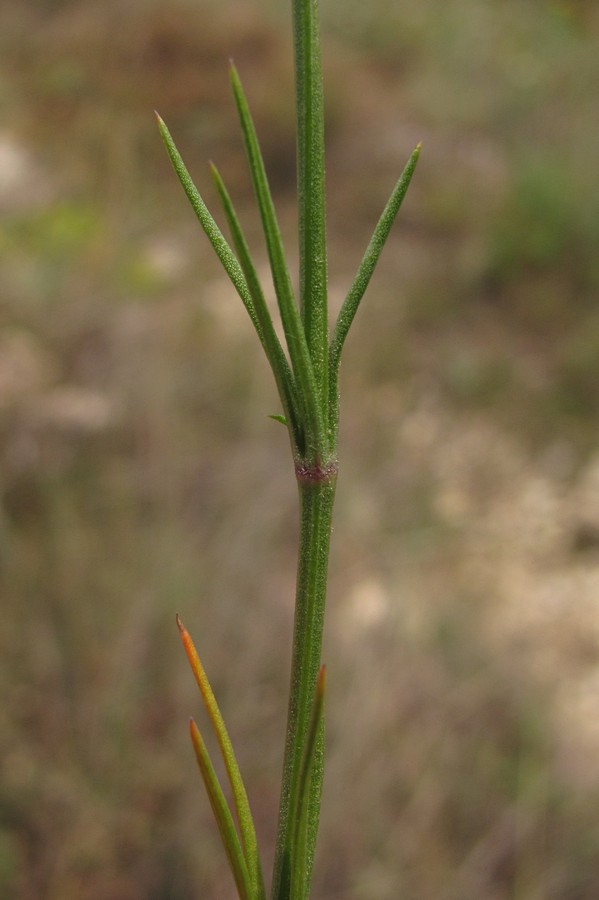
{"x": 317, "y": 494}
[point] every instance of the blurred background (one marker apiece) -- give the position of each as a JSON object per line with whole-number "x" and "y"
{"x": 141, "y": 476}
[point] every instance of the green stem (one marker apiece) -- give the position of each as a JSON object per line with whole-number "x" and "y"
{"x": 311, "y": 187}
{"x": 317, "y": 494}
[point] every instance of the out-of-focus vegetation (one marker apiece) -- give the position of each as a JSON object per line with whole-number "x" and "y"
{"x": 462, "y": 635}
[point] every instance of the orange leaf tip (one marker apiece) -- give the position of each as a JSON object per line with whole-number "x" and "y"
{"x": 321, "y": 681}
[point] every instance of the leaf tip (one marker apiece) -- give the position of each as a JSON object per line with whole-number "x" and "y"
{"x": 234, "y": 74}
{"x": 321, "y": 681}
{"x": 216, "y": 177}
{"x": 160, "y": 121}
{"x": 198, "y": 745}
{"x": 186, "y": 640}
{"x": 278, "y": 418}
{"x": 196, "y": 737}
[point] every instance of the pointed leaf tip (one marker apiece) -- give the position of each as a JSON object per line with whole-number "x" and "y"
{"x": 240, "y": 799}
{"x": 368, "y": 264}
{"x": 321, "y": 681}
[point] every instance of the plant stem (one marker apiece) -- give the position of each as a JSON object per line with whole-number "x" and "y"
{"x": 316, "y": 494}
{"x": 307, "y": 379}
{"x": 316, "y": 475}
{"x": 311, "y": 187}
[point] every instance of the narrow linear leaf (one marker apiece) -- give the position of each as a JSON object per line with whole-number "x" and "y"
{"x": 369, "y": 261}
{"x": 213, "y": 233}
{"x": 303, "y": 829}
{"x": 278, "y": 418}
{"x": 292, "y": 325}
{"x": 222, "y": 814}
{"x": 240, "y": 798}
{"x": 276, "y": 356}
{"x": 311, "y": 185}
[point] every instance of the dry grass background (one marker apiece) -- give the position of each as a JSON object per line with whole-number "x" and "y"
{"x": 140, "y": 474}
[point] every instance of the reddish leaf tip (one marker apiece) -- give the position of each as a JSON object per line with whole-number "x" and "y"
{"x": 321, "y": 680}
